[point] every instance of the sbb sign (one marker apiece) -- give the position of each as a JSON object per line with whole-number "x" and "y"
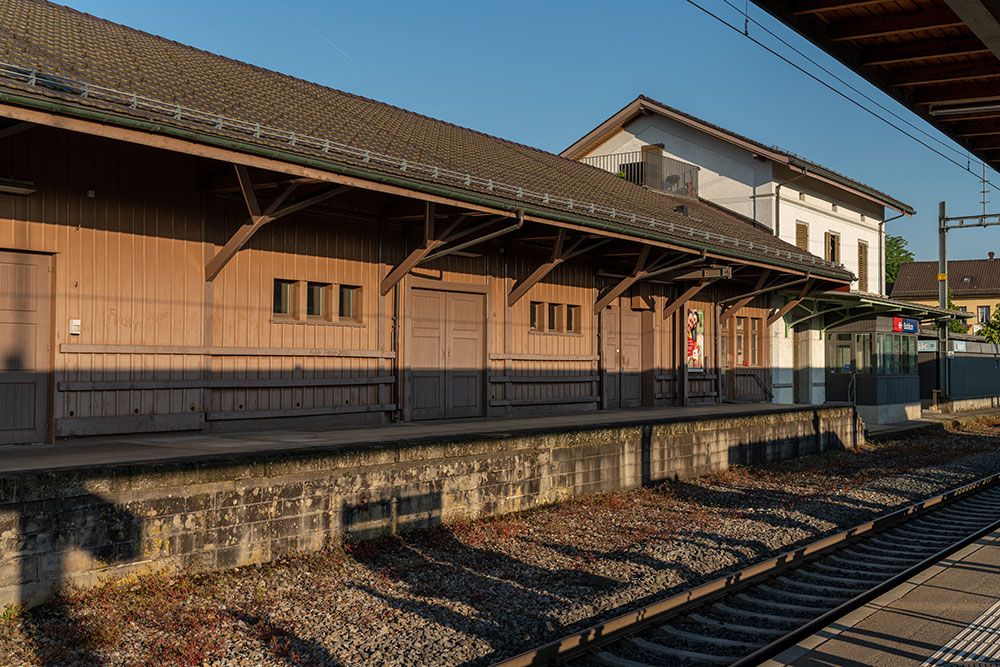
{"x": 905, "y": 324}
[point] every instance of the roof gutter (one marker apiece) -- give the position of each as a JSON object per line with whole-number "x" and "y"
{"x": 104, "y": 117}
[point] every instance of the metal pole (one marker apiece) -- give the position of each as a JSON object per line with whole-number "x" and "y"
{"x": 943, "y": 298}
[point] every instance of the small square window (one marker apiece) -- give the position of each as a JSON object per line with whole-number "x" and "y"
{"x": 315, "y": 297}
{"x": 555, "y": 317}
{"x": 535, "y": 316}
{"x": 573, "y": 319}
{"x": 283, "y": 292}
{"x": 349, "y": 305}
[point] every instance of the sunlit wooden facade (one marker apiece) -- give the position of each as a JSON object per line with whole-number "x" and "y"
{"x": 163, "y": 273}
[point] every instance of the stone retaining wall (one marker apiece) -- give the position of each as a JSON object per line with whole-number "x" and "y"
{"x": 85, "y": 526}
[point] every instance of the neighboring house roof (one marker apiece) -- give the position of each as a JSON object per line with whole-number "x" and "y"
{"x": 966, "y": 278}
{"x": 73, "y": 64}
{"x": 643, "y": 105}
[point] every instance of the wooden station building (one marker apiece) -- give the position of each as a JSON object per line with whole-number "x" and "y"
{"x": 188, "y": 242}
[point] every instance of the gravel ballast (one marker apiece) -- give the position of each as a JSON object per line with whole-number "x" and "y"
{"x": 474, "y": 593}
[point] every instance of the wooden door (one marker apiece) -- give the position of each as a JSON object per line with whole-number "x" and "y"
{"x": 447, "y": 367}
{"x": 464, "y": 358}
{"x": 24, "y": 347}
{"x": 622, "y": 357}
{"x": 427, "y": 354}
{"x": 631, "y": 357}
{"x": 610, "y": 357}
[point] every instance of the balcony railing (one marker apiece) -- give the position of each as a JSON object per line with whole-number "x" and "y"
{"x": 650, "y": 169}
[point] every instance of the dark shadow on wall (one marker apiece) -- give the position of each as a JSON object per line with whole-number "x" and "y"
{"x": 53, "y": 533}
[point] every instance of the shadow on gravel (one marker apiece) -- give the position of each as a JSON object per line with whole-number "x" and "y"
{"x": 285, "y": 645}
{"x": 509, "y": 598}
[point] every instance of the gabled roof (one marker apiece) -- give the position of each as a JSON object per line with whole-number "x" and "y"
{"x": 966, "y": 277}
{"x": 644, "y": 105}
{"x": 73, "y": 64}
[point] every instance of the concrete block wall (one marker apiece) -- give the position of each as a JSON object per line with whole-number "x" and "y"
{"x": 85, "y": 526}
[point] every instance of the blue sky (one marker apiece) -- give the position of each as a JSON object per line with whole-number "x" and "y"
{"x": 544, "y": 73}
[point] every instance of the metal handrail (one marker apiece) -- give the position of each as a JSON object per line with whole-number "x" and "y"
{"x": 748, "y": 373}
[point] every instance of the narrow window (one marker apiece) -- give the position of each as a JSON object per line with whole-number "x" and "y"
{"x": 283, "y": 297}
{"x": 349, "y": 307}
{"x": 802, "y": 236}
{"x": 862, "y": 266}
{"x": 573, "y": 319}
{"x": 535, "y": 316}
{"x": 754, "y": 336}
{"x": 832, "y": 251}
{"x": 863, "y": 353}
{"x": 315, "y": 301}
{"x": 555, "y": 317}
{"x": 740, "y": 352}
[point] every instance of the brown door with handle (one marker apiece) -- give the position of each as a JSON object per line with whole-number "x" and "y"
{"x": 24, "y": 347}
{"x": 446, "y": 371}
{"x": 622, "y": 356}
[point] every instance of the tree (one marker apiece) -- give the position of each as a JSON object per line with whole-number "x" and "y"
{"x": 992, "y": 328}
{"x": 895, "y": 254}
{"x": 955, "y": 326}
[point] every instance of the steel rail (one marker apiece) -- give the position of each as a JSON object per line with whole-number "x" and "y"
{"x": 578, "y": 643}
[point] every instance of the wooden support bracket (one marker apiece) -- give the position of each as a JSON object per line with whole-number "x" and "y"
{"x": 791, "y": 304}
{"x": 638, "y": 273}
{"x": 258, "y": 219}
{"x": 688, "y": 294}
{"x": 745, "y": 299}
{"x": 561, "y": 252}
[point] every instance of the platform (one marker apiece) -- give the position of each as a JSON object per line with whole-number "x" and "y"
{"x": 946, "y": 614}
{"x": 138, "y": 448}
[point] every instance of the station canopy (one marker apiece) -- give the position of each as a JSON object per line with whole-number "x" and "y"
{"x": 939, "y": 58}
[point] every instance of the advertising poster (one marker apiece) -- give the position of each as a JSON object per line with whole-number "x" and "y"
{"x": 696, "y": 340}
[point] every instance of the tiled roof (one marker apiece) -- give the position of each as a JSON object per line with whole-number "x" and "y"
{"x": 49, "y": 51}
{"x": 966, "y": 277}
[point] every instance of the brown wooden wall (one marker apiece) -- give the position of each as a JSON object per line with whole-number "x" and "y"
{"x": 130, "y": 230}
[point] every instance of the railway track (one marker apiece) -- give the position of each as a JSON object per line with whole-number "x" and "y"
{"x": 748, "y": 616}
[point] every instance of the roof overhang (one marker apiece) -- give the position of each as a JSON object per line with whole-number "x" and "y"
{"x": 940, "y": 61}
{"x": 835, "y": 308}
{"x": 72, "y": 116}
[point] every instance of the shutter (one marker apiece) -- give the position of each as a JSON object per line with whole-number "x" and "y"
{"x": 836, "y": 248}
{"x": 827, "y": 247}
{"x": 802, "y": 236}
{"x": 862, "y": 266}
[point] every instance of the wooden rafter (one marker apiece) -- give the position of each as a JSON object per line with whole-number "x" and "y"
{"x": 808, "y": 287}
{"x": 958, "y": 93}
{"x": 890, "y": 54}
{"x": 560, "y": 253}
{"x": 11, "y": 130}
{"x": 459, "y": 247}
{"x": 977, "y": 128}
{"x": 950, "y": 73}
{"x": 803, "y": 7}
{"x": 893, "y": 24}
{"x": 258, "y": 219}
